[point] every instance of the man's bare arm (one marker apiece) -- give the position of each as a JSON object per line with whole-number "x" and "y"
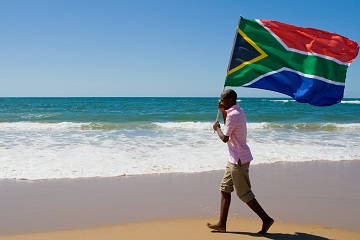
{"x": 221, "y": 135}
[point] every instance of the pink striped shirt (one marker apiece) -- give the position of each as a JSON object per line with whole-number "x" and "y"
{"x": 235, "y": 129}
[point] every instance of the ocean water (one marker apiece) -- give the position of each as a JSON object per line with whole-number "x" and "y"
{"x": 47, "y": 138}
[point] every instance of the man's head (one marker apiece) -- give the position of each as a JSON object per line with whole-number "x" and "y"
{"x": 228, "y": 98}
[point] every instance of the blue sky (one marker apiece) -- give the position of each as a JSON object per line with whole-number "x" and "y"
{"x": 144, "y": 48}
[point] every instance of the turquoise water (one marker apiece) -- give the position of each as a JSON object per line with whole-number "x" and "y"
{"x": 86, "y": 137}
{"x": 115, "y": 110}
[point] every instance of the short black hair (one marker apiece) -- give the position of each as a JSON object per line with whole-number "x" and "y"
{"x": 229, "y": 93}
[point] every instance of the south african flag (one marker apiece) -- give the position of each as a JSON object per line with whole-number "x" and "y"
{"x": 306, "y": 64}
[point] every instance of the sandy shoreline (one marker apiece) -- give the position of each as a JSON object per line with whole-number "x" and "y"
{"x": 315, "y": 193}
{"x": 193, "y": 229}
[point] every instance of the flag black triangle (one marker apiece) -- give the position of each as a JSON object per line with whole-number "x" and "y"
{"x": 243, "y": 53}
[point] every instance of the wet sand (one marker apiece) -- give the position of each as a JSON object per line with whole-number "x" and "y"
{"x": 321, "y": 194}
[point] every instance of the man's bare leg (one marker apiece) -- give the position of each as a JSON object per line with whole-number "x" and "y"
{"x": 266, "y": 219}
{"x": 224, "y": 210}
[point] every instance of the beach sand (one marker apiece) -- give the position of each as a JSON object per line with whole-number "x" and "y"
{"x": 309, "y": 200}
{"x": 193, "y": 229}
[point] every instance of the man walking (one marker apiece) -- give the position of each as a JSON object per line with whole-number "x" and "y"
{"x": 237, "y": 170}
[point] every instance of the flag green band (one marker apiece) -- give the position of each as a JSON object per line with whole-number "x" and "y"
{"x": 273, "y": 56}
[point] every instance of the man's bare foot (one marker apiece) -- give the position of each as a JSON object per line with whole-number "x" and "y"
{"x": 217, "y": 227}
{"x": 266, "y": 226}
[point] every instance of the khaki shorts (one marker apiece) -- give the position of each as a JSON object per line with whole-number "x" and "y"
{"x": 237, "y": 176}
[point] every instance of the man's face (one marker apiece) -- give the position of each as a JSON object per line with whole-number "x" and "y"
{"x": 226, "y": 102}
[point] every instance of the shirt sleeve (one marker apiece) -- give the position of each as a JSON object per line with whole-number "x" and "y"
{"x": 229, "y": 125}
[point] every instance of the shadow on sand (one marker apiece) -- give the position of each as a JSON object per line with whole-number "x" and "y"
{"x": 282, "y": 236}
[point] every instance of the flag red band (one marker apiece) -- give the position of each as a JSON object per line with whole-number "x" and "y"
{"x": 314, "y": 41}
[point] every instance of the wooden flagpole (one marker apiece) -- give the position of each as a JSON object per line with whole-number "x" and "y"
{"x": 232, "y": 51}
{"x": 218, "y": 113}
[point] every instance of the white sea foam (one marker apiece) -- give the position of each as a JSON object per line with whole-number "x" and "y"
{"x": 186, "y": 125}
{"x": 31, "y": 126}
{"x": 36, "y": 126}
{"x": 282, "y": 100}
{"x": 350, "y": 101}
{"x": 68, "y": 150}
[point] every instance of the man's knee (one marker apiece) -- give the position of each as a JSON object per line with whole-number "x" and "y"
{"x": 225, "y": 194}
{"x": 247, "y": 197}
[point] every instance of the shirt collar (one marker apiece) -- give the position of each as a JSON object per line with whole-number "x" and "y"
{"x": 234, "y": 107}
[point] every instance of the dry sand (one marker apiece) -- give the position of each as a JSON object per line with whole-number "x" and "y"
{"x": 193, "y": 229}
{"x": 321, "y": 200}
